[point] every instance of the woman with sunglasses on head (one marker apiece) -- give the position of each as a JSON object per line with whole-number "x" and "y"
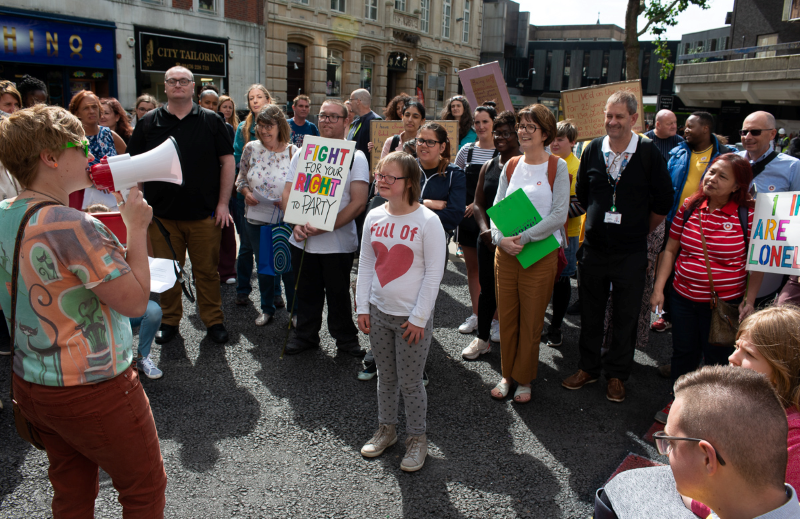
{"x": 257, "y": 97}
{"x": 471, "y": 159}
{"x": 263, "y": 168}
{"x": 524, "y": 293}
{"x": 397, "y": 312}
{"x": 457, "y": 109}
{"x": 507, "y": 144}
{"x": 72, "y": 289}
{"x": 103, "y": 142}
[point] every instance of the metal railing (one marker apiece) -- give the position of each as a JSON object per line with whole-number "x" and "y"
{"x": 741, "y": 53}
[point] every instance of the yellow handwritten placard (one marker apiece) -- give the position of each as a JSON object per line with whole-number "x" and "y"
{"x": 485, "y": 89}
{"x": 381, "y": 131}
{"x": 586, "y": 107}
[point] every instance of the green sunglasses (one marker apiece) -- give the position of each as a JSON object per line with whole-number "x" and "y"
{"x": 84, "y": 145}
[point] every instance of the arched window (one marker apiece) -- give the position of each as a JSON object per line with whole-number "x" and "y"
{"x": 367, "y": 66}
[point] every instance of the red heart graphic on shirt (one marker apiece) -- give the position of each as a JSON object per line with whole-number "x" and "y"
{"x": 392, "y": 263}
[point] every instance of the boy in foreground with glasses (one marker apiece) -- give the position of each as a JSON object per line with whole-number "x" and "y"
{"x": 726, "y": 442}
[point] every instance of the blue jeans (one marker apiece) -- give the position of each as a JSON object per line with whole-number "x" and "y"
{"x": 571, "y": 252}
{"x": 691, "y": 322}
{"x": 148, "y": 325}
{"x": 266, "y": 284}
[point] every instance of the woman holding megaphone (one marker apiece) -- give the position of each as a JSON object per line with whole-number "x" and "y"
{"x": 70, "y": 290}
{"x": 103, "y": 142}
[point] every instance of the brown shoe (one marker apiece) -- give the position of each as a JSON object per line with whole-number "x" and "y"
{"x": 578, "y": 380}
{"x": 616, "y": 390}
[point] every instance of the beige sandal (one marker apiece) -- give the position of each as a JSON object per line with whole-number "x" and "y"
{"x": 522, "y": 391}
{"x": 500, "y": 391}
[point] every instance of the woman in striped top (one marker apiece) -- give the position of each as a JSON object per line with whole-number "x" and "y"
{"x": 720, "y": 205}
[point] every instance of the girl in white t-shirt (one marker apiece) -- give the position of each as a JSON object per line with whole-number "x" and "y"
{"x": 401, "y": 266}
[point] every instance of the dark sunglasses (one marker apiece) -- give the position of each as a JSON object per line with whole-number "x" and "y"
{"x": 754, "y": 133}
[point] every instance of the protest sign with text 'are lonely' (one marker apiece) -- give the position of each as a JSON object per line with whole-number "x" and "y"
{"x": 319, "y": 182}
{"x": 775, "y": 237}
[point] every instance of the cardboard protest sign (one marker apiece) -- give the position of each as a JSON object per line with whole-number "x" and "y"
{"x": 319, "y": 181}
{"x": 775, "y": 236}
{"x": 381, "y": 131}
{"x": 586, "y": 106}
{"x": 485, "y": 83}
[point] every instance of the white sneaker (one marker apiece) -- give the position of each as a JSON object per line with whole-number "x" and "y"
{"x": 294, "y": 321}
{"x": 470, "y": 325}
{"x": 495, "y": 336}
{"x": 476, "y": 348}
{"x": 230, "y": 281}
{"x": 263, "y": 319}
{"x": 146, "y": 366}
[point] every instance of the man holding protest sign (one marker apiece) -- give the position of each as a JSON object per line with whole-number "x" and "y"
{"x": 327, "y": 256}
{"x": 773, "y": 172}
{"x": 624, "y": 185}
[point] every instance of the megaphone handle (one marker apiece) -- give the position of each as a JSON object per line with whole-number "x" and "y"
{"x": 125, "y": 193}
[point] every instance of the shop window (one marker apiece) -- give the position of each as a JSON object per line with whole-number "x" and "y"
{"x": 447, "y": 9}
{"x": 371, "y": 9}
{"x": 333, "y": 85}
{"x": 425, "y": 15}
{"x": 367, "y": 66}
{"x": 466, "y": 21}
{"x": 441, "y": 84}
{"x": 399, "y": 5}
{"x": 337, "y": 5}
{"x": 420, "y": 88}
{"x": 208, "y": 6}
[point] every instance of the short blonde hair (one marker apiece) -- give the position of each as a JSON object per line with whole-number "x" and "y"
{"x": 27, "y": 133}
{"x": 409, "y": 168}
{"x": 773, "y": 331}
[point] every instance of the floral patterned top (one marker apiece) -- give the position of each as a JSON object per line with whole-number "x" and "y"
{"x": 101, "y": 145}
{"x": 263, "y": 170}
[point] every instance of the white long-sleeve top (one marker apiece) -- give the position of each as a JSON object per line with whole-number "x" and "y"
{"x": 401, "y": 263}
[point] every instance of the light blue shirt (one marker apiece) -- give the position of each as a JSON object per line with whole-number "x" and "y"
{"x": 782, "y": 174}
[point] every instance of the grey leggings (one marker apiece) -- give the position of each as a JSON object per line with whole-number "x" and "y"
{"x": 399, "y": 362}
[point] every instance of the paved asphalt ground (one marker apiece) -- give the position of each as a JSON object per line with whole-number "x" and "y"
{"x": 245, "y": 434}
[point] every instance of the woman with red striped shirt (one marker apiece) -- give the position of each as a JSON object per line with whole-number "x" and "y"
{"x": 716, "y": 205}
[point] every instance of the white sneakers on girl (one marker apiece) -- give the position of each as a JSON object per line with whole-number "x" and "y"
{"x": 470, "y": 325}
{"x": 385, "y": 437}
{"x": 416, "y": 451}
{"x": 476, "y": 348}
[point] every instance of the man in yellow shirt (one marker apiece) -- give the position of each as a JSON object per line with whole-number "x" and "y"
{"x": 566, "y": 136}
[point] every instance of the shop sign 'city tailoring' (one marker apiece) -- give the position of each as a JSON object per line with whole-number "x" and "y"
{"x": 29, "y": 40}
{"x": 159, "y": 53}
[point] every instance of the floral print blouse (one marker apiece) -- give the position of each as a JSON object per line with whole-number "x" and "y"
{"x": 263, "y": 170}
{"x": 101, "y": 145}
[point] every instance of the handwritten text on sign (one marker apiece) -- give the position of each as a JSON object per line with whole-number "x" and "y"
{"x": 485, "y": 83}
{"x": 319, "y": 182}
{"x": 775, "y": 237}
{"x": 586, "y": 107}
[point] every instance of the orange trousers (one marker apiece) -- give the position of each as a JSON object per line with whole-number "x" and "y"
{"x": 522, "y": 299}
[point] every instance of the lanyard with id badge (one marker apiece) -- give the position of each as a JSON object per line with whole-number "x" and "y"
{"x": 613, "y": 216}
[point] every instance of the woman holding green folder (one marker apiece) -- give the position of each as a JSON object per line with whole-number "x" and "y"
{"x": 523, "y": 293}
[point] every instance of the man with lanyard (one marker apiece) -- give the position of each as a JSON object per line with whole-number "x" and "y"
{"x": 773, "y": 172}
{"x": 327, "y": 257}
{"x": 361, "y": 100}
{"x": 624, "y": 185}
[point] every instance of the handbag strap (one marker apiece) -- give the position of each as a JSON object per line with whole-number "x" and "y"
{"x": 708, "y": 263}
{"x": 179, "y": 272}
{"x": 15, "y": 275}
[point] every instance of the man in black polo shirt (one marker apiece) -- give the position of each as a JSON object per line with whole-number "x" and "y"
{"x": 624, "y": 185}
{"x": 665, "y": 135}
{"x": 194, "y": 213}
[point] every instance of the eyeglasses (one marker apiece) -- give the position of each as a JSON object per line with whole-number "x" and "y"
{"x": 331, "y": 118}
{"x": 664, "y": 446}
{"x": 528, "y": 128}
{"x": 504, "y": 135}
{"x": 388, "y": 179}
{"x": 182, "y": 81}
{"x": 430, "y": 143}
{"x": 84, "y": 145}
{"x": 265, "y": 127}
{"x": 754, "y": 133}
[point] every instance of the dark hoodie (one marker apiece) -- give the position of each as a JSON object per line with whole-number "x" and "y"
{"x": 448, "y": 184}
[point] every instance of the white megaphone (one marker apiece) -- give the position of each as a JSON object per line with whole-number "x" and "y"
{"x": 122, "y": 172}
